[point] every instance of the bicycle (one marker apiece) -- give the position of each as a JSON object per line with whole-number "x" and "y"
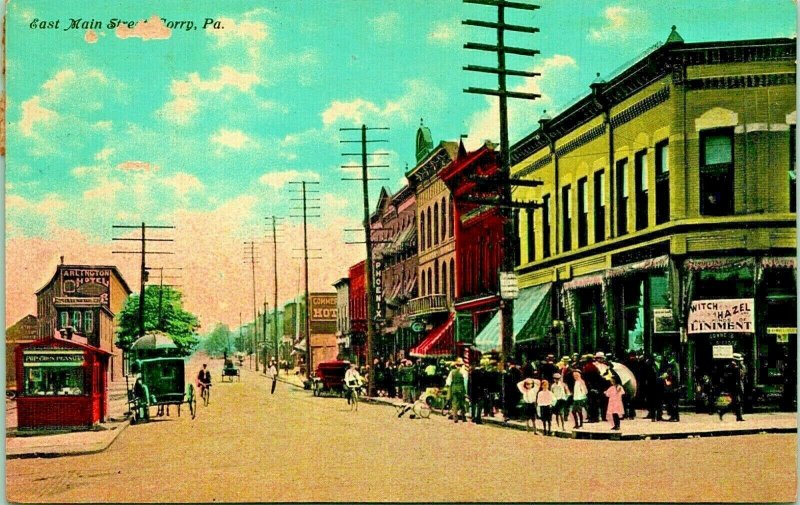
{"x": 351, "y": 393}
{"x": 205, "y": 392}
{"x": 419, "y": 410}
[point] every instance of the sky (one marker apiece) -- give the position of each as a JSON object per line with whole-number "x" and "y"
{"x": 203, "y": 127}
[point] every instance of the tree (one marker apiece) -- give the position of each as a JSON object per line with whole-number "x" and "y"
{"x": 163, "y": 311}
{"x": 219, "y": 340}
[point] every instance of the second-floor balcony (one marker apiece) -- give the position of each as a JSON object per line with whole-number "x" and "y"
{"x": 429, "y": 304}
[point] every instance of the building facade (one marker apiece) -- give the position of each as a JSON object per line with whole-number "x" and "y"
{"x": 24, "y": 331}
{"x": 342, "y": 287}
{"x": 667, "y": 218}
{"x": 87, "y": 298}
{"x": 358, "y": 314}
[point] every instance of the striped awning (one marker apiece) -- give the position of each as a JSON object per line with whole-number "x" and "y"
{"x": 531, "y": 319}
{"x": 439, "y": 342}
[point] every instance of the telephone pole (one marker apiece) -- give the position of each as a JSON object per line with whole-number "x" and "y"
{"x": 143, "y": 239}
{"x": 305, "y": 216}
{"x": 504, "y": 182}
{"x": 368, "y": 272}
{"x": 250, "y": 248}
{"x": 273, "y": 218}
{"x": 161, "y": 287}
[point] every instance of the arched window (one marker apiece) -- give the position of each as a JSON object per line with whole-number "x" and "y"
{"x": 452, "y": 215}
{"x": 422, "y": 285}
{"x": 452, "y": 279}
{"x": 435, "y": 223}
{"x": 436, "y": 290}
{"x": 428, "y": 230}
{"x": 444, "y": 219}
{"x": 444, "y": 279}
{"x": 430, "y": 281}
{"x": 422, "y": 231}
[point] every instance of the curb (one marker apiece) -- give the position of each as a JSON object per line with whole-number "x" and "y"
{"x": 99, "y": 447}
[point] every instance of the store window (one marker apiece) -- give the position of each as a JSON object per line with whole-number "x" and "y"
{"x": 662, "y": 182}
{"x": 88, "y": 322}
{"x": 546, "y": 226}
{"x": 778, "y": 345}
{"x": 566, "y": 227}
{"x": 640, "y": 163}
{"x": 792, "y": 171}
{"x": 716, "y": 172}
{"x": 583, "y": 212}
{"x": 54, "y": 380}
{"x": 531, "y": 236}
{"x": 599, "y": 206}
{"x": 622, "y": 197}
{"x": 633, "y": 308}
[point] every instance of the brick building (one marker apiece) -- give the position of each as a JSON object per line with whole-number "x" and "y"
{"x": 668, "y": 188}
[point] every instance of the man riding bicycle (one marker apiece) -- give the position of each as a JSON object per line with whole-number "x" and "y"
{"x": 352, "y": 381}
{"x": 203, "y": 379}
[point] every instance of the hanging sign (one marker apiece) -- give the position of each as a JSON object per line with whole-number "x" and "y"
{"x": 509, "y": 287}
{"x": 721, "y": 316}
{"x": 663, "y": 321}
{"x": 722, "y": 352}
{"x": 781, "y": 333}
{"x": 377, "y": 272}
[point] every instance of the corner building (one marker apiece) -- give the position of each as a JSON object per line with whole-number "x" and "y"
{"x": 667, "y": 223}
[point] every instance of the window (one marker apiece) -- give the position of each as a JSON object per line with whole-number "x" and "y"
{"x": 444, "y": 278}
{"x": 633, "y": 321}
{"x": 622, "y": 197}
{"x": 428, "y": 230}
{"x": 88, "y": 322}
{"x": 531, "y": 236}
{"x": 63, "y": 321}
{"x": 792, "y": 171}
{"x": 452, "y": 279}
{"x": 452, "y": 215}
{"x": 517, "y": 244}
{"x": 435, "y": 223}
{"x": 76, "y": 320}
{"x": 422, "y": 231}
{"x": 599, "y": 206}
{"x": 422, "y": 284}
{"x": 566, "y": 227}
{"x": 662, "y": 182}
{"x": 716, "y": 172}
{"x": 436, "y": 290}
{"x": 54, "y": 380}
{"x": 444, "y": 220}
{"x": 430, "y": 280}
{"x": 583, "y": 212}
{"x": 546, "y": 226}
{"x": 640, "y": 163}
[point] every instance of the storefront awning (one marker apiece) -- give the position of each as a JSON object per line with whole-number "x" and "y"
{"x": 439, "y": 342}
{"x": 532, "y": 319}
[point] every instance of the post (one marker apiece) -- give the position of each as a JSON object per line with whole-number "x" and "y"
{"x": 275, "y": 306}
{"x": 305, "y": 280}
{"x": 368, "y": 265}
{"x": 264, "y": 331}
{"x": 143, "y": 279}
{"x": 255, "y": 314}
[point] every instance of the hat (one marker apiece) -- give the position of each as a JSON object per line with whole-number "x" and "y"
{"x": 599, "y": 354}
{"x": 738, "y": 357}
{"x": 565, "y": 358}
{"x": 556, "y": 375}
{"x": 459, "y": 362}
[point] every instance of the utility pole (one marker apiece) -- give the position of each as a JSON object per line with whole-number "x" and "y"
{"x": 504, "y": 182}
{"x": 305, "y": 216}
{"x": 368, "y": 280}
{"x": 143, "y": 239}
{"x": 264, "y": 331}
{"x": 250, "y": 245}
{"x": 161, "y": 288}
{"x": 273, "y": 218}
{"x": 240, "y": 329}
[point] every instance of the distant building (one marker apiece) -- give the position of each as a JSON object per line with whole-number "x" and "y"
{"x": 87, "y": 298}
{"x": 342, "y": 313}
{"x": 24, "y": 331}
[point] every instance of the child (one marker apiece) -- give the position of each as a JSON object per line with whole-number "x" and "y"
{"x": 615, "y": 409}
{"x": 579, "y": 394}
{"x": 545, "y": 401}
{"x": 561, "y": 395}
{"x": 529, "y": 390}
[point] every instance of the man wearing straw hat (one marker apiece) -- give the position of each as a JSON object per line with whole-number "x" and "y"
{"x": 457, "y": 381}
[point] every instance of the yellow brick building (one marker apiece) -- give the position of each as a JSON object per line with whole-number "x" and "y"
{"x": 667, "y": 186}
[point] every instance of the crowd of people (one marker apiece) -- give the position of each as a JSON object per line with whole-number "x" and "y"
{"x": 587, "y": 388}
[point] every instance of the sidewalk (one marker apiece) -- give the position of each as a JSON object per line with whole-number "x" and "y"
{"x": 44, "y": 445}
{"x": 690, "y": 426}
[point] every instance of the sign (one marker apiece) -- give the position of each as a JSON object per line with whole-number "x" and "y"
{"x": 377, "y": 274}
{"x": 417, "y": 326}
{"x": 663, "y": 321}
{"x": 77, "y": 301}
{"x": 722, "y": 352}
{"x": 94, "y": 282}
{"x": 52, "y": 358}
{"x": 322, "y": 307}
{"x": 721, "y": 316}
{"x": 781, "y": 333}
{"x": 509, "y": 288}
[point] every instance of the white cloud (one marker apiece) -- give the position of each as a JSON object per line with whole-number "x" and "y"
{"x": 244, "y": 30}
{"x": 138, "y": 166}
{"x": 485, "y": 124}
{"x": 33, "y": 112}
{"x": 418, "y": 96}
{"x": 183, "y": 184}
{"x": 279, "y": 179}
{"x": 233, "y": 139}
{"x": 105, "y": 191}
{"x": 145, "y": 29}
{"x": 386, "y": 26}
{"x": 621, "y": 24}
{"x": 445, "y": 32}
{"x": 104, "y": 154}
{"x": 332, "y": 201}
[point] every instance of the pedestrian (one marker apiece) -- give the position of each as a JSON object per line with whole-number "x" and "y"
{"x": 615, "y": 409}
{"x": 457, "y": 381}
{"x": 545, "y": 400}
{"x": 529, "y": 391}
{"x": 579, "y": 395}
{"x": 733, "y": 384}
{"x": 548, "y": 368}
{"x": 671, "y": 397}
{"x": 477, "y": 388}
{"x": 561, "y": 396}
{"x": 511, "y": 391}
{"x": 273, "y": 373}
